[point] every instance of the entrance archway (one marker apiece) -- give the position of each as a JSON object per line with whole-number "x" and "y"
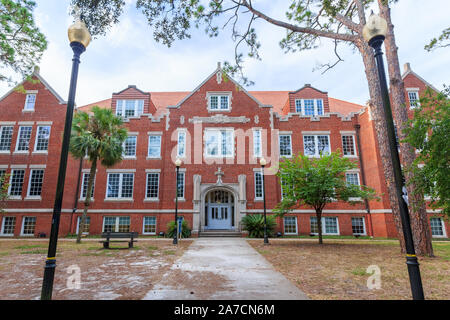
{"x": 219, "y": 210}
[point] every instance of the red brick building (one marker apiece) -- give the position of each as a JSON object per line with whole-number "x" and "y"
{"x": 219, "y": 131}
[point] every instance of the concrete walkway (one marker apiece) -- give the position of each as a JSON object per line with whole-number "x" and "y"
{"x": 223, "y": 269}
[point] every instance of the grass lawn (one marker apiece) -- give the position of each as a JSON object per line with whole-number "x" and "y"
{"x": 118, "y": 273}
{"x": 337, "y": 269}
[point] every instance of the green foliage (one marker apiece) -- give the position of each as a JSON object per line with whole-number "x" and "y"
{"x": 429, "y": 132}
{"x": 318, "y": 181}
{"x": 185, "y": 230}
{"x": 21, "y": 42}
{"x": 4, "y": 186}
{"x": 441, "y": 42}
{"x": 254, "y": 224}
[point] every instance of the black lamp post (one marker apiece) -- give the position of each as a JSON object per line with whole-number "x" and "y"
{"x": 175, "y": 236}
{"x": 79, "y": 39}
{"x": 374, "y": 33}
{"x": 263, "y": 163}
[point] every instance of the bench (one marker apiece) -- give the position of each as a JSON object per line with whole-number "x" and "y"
{"x": 119, "y": 235}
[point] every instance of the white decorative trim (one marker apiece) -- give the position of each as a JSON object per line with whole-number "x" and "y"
{"x": 18, "y": 166}
{"x": 38, "y": 166}
{"x": 315, "y": 132}
{"x": 120, "y": 170}
{"x": 155, "y": 133}
{"x": 412, "y": 89}
{"x": 25, "y": 123}
{"x": 44, "y": 123}
{"x": 7, "y": 123}
{"x": 152, "y": 170}
{"x": 347, "y": 132}
{"x": 219, "y": 118}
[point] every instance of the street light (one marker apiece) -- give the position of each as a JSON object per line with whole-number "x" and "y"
{"x": 374, "y": 32}
{"x": 79, "y": 38}
{"x": 263, "y": 163}
{"x": 175, "y": 236}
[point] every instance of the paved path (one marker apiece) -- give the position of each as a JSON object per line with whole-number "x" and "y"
{"x": 223, "y": 269}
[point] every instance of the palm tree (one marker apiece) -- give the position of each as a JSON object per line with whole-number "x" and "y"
{"x": 99, "y": 136}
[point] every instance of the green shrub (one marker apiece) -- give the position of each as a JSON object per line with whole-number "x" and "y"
{"x": 185, "y": 230}
{"x": 254, "y": 224}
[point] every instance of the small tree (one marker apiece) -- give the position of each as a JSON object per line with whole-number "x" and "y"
{"x": 100, "y": 137}
{"x": 316, "y": 182}
{"x": 428, "y": 133}
{"x": 4, "y": 186}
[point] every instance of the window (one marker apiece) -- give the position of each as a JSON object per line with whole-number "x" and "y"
{"x": 149, "y": 225}
{"x": 152, "y": 185}
{"x": 309, "y": 107}
{"x": 329, "y": 225}
{"x": 352, "y": 178}
{"x": 6, "y": 138}
{"x": 180, "y": 185}
{"x": 116, "y": 224}
{"x": 181, "y": 146}
{"x": 154, "y": 146}
{"x": 283, "y": 188}
{"x": 316, "y": 145}
{"x": 8, "y": 226}
{"x": 219, "y": 102}
{"x": 87, "y": 225}
{"x": 84, "y": 186}
{"x": 24, "y": 138}
{"x": 129, "y": 147}
{"x": 257, "y": 150}
{"x": 348, "y": 145}
{"x": 28, "y": 226}
{"x": 43, "y": 136}
{"x": 358, "y": 225}
{"x": 30, "y": 101}
{"x": 120, "y": 185}
{"x": 290, "y": 225}
{"x": 16, "y": 182}
{"x": 219, "y": 143}
{"x": 437, "y": 227}
{"x": 258, "y": 185}
{"x": 413, "y": 97}
{"x": 129, "y": 108}
{"x": 285, "y": 146}
{"x": 36, "y": 181}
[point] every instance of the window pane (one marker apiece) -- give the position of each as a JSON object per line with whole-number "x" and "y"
{"x": 180, "y": 184}
{"x": 30, "y": 101}
{"x": 298, "y": 105}
{"x": 6, "y": 138}
{"x": 154, "y": 146}
{"x": 413, "y": 98}
{"x": 130, "y": 147}
{"x": 124, "y": 224}
{"x": 257, "y": 143}
{"x": 9, "y": 224}
{"x": 331, "y": 225}
{"x": 319, "y": 107}
{"x": 130, "y": 108}
{"x": 24, "y": 138}
{"x": 285, "y": 145}
{"x": 85, "y": 185}
{"x": 224, "y": 102}
{"x": 323, "y": 144}
{"x": 436, "y": 227}
{"x": 309, "y": 107}
{"x": 113, "y": 185}
{"x": 214, "y": 102}
{"x": 127, "y": 185}
{"x": 36, "y": 180}
{"x": 358, "y": 225}
{"x": 109, "y": 224}
{"x": 150, "y": 225}
{"x": 348, "y": 146}
{"x": 290, "y": 225}
{"x": 16, "y": 182}
{"x": 309, "y": 145}
{"x": 352, "y": 178}
{"x": 181, "y": 144}
{"x": 227, "y": 143}
{"x": 87, "y": 224}
{"x": 152, "y": 185}
{"x": 29, "y": 224}
{"x": 258, "y": 185}
{"x": 313, "y": 225}
{"x": 43, "y": 135}
{"x": 212, "y": 143}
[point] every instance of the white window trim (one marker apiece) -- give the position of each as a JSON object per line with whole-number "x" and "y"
{"x": 323, "y": 227}
{"x": 364, "y": 226}
{"x": 10, "y": 183}
{"x": 2, "y": 233}
{"x": 18, "y": 140}
{"x": 255, "y": 142}
{"x": 82, "y": 184}
{"x": 260, "y": 171}
{"x": 29, "y": 197}
{"x": 136, "y": 108}
{"x": 23, "y": 226}
{"x": 443, "y": 228}
{"x": 28, "y": 93}
{"x": 416, "y": 91}
{"x": 359, "y": 183}
{"x": 354, "y": 145}
{"x": 1, "y": 134}
{"x": 209, "y": 94}
{"x": 181, "y": 132}
{"x": 36, "y": 139}
{"x": 219, "y": 156}
{"x": 119, "y": 198}
{"x": 302, "y": 108}
{"x": 296, "y": 226}
{"x": 116, "y": 226}
{"x": 135, "y": 147}
{"x": 290, "y": 145}
{"x": 143, "y": 225}
{"x": 316, "y": 143}
{"x": 78, "y": 225}
{"x": 183, "y": 172}
{"x": 146, "y": 186}
{"x": 160, "y": 144}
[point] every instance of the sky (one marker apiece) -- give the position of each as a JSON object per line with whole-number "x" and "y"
{"x": 128, "y": 55}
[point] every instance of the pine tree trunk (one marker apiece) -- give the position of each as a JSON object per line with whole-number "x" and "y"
{"x": 319, "y": 224}
{"x": 417, "y": 208}
{"x": 87, "y": 201}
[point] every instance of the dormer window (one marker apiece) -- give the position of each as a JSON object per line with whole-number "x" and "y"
{"x": 129, "y": 108}
{"x": 30, "y": 102}
{"x": 219, "y": 101}
{"x": 309, "y": 107}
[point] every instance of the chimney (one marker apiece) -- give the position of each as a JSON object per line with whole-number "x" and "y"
{"x": 36, "y": 70}
{"x": 407, "y": 67}
{"x": 219, "y": 65}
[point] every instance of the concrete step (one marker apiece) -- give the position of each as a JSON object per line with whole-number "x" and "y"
{"x": 219, "y": 234}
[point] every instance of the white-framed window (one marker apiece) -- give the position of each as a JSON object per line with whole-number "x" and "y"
{"x": 257, "y": 144}
{"x": 180, "y": 184}
{"x": 330, "y": 225}
{"x": 84, "y": 186}
{"x": 309, "y": 107}
{"x": 129, "y": 147}
{"x": 35, "y": 183}
{"x": 290, "y": 225}
{"x": 181, "y": 145}
{"x": 87, "y": 225}
{"x": 352, "y": 178}
{"x": 120, "y": 186}
{"x": 149, "y": 225}
{"x": 358, "y": 226}
{"x": 152, "y": 185}
{"x": 283, "y": 187}
{"x": 285, "y": 145}
{"x": 413, "y": 97}
{"x": 219, "y": 102}
{"x": 348, "y": 145}
{"x": 154, "y": 146}
{"x": 437, "y": 227}
{"x": 8, "y": 226}
{"x": 116, "y": 224}
{"x": 315, "y": 145}
{"x": 16, "y": 182}
{"x": 219, "y": 143}
{"x": 23, "y": 141}
{"x": 30, "y": 102}
{"x": 28, "y": 226}
{"x": 129, "y": 108}
{"x": 259, "y": 188}
{"x": 6, "y": 133}
{"x": 42, "y": 138}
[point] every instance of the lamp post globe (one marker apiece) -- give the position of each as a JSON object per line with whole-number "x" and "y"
{"x": 263, "y": 163}
{"x": 79, "y": 38}
{"x": 374, "y": 32}
{"x": 175, "y": 235}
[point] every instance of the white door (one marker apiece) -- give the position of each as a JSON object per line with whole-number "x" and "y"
{"x": 219, "y": 217}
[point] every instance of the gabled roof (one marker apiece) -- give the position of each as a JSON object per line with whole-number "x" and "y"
{"x": 132, "y": 87}
{"x": 42, "y": 80}
{"x": 408, "y": 70}
{"x": 308, "y": 86}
